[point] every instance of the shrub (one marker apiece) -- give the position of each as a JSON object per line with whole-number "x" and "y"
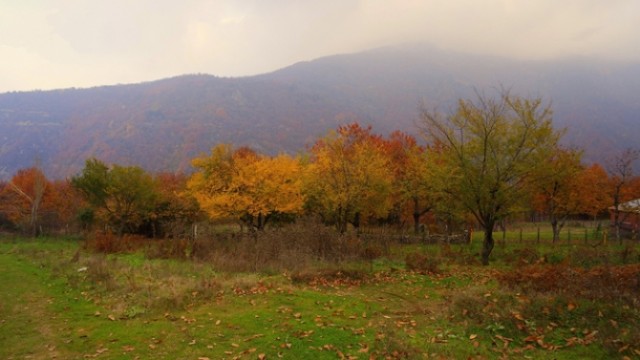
{"x": 422, "y": 263}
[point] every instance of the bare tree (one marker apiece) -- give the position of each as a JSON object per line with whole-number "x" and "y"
{"x": 621, "y": 171}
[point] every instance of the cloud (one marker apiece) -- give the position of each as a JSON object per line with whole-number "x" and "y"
{"x": 91, "y": 42}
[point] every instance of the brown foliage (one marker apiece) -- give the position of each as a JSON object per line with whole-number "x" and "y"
{"x": 422, "y": 263}
{"x": 601, "y": 282}
{"x": 330, "y": 278}
{"x": 109, "y": 243}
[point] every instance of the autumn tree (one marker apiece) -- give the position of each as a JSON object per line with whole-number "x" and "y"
{"x": 620, "y": 170}
{"x": 556, "y": 188}
{"x": 175, "y": 209}
{"x": 492, "y": 147}
{"x": 591, "y": 190}
{"x": 246, "y": 186}
{"x": 24, "y": 194}
{"x": 349, "y": 177}
{"x": 411, "y": 185}
{"x": 122, "y": 197}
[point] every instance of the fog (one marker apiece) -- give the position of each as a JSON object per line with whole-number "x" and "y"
{"x": 74, "y": 43}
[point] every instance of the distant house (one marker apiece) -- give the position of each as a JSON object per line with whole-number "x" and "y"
{"x": 629, "y": 215}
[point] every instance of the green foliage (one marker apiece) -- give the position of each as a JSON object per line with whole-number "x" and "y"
{"x": 490, "y": 150}
{"x": 123, "y": 197}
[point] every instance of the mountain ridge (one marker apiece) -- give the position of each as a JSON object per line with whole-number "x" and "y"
{"x": 162, "y": 124}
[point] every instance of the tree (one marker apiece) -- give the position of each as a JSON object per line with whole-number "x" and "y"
{"x": 620, "y": 170}
{"x": 244, "y": 185}
{"x": 591, "y": 190}
{"x": 556, "y": 188}
{"x": 25, "y": 194}
{"x": 349, "y": 177}
{"x": 411, "y": 185}
{"x": 123, "y": 197}
{"x": 176, "y": 209}
{"x": 491, "y": 150}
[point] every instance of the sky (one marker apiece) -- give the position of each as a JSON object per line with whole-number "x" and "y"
{"x": 49, "y": 44}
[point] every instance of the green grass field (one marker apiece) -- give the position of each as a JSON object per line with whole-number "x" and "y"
{"x": 61, "y": 301}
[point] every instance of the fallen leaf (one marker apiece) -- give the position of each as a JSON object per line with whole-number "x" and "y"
{"x": 473, "y": 336}
{"x": 614, "y": 323}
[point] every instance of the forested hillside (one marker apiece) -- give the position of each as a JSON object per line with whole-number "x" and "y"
{"x": 161, "y": 125}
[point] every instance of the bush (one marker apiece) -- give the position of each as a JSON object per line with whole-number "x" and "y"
{"x": 422, "y": 263}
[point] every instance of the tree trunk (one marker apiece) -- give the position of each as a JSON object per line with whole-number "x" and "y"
{"x": 487, "y": 246}
{"x": 556, "y": 229}
{"x": 416, "y": 216}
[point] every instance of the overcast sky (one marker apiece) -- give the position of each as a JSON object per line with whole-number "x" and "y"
{"x": 47, "y": 44}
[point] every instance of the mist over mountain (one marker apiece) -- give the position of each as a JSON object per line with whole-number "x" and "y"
{"x": 161, "y": 125}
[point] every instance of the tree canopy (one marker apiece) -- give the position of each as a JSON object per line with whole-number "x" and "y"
{"x": 492, "y": 148}
{"x": 123, "y": 197}
{"x": 244, "y": 185}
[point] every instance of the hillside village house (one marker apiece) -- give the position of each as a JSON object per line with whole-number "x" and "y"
{"x": 629, "y": 216}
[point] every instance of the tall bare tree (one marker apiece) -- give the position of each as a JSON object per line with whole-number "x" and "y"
{"x": 620, "y": 170}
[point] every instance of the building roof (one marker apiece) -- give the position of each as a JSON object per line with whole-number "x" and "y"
{"x": 629, "y": 206}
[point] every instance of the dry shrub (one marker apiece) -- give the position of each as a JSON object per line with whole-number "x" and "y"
{"x": 167, "y": 249}
{"x": 100, "y": 271}
{"x": 629, "y": 254}
{"x": 589, "y": 257}
{"x": 525, "y": 256}
{"x": 330, "y": 277}
{"x": 291, "y": 248}
{"x": 371, "y": 252}
{"x": 463, "y": 256}
{"x": 422, "y": 263}
{"x": 601, "y": 282}
{"x": 108, "y": 243}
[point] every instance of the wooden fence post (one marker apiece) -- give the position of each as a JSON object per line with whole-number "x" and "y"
{"x": 520, "y": 235}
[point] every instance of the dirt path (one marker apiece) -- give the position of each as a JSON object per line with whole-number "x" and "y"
{"x": 27, "y": 325}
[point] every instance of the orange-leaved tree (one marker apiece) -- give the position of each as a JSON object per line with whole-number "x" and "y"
{"x": 349, "y": 177}
{"x": 24, "y": 196}
{"x": 411, "y": 185}
{"x": 243, "y": 185}
{"x": 591, "y": 190}
{"x": 556, "y": 188}
{"x": 176, "y": 209}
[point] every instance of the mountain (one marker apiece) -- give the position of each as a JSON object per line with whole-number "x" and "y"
{"x": 161, "y": 125}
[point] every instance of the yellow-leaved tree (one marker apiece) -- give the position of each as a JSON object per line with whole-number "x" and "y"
{"x": 241, "y": 184}
{"x": 349, "y": 177}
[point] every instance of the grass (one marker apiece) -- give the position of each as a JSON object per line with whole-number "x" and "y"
{"x": 61, "y": 301}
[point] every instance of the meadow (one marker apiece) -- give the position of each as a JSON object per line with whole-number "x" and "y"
{"x": 68, "y": 298}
